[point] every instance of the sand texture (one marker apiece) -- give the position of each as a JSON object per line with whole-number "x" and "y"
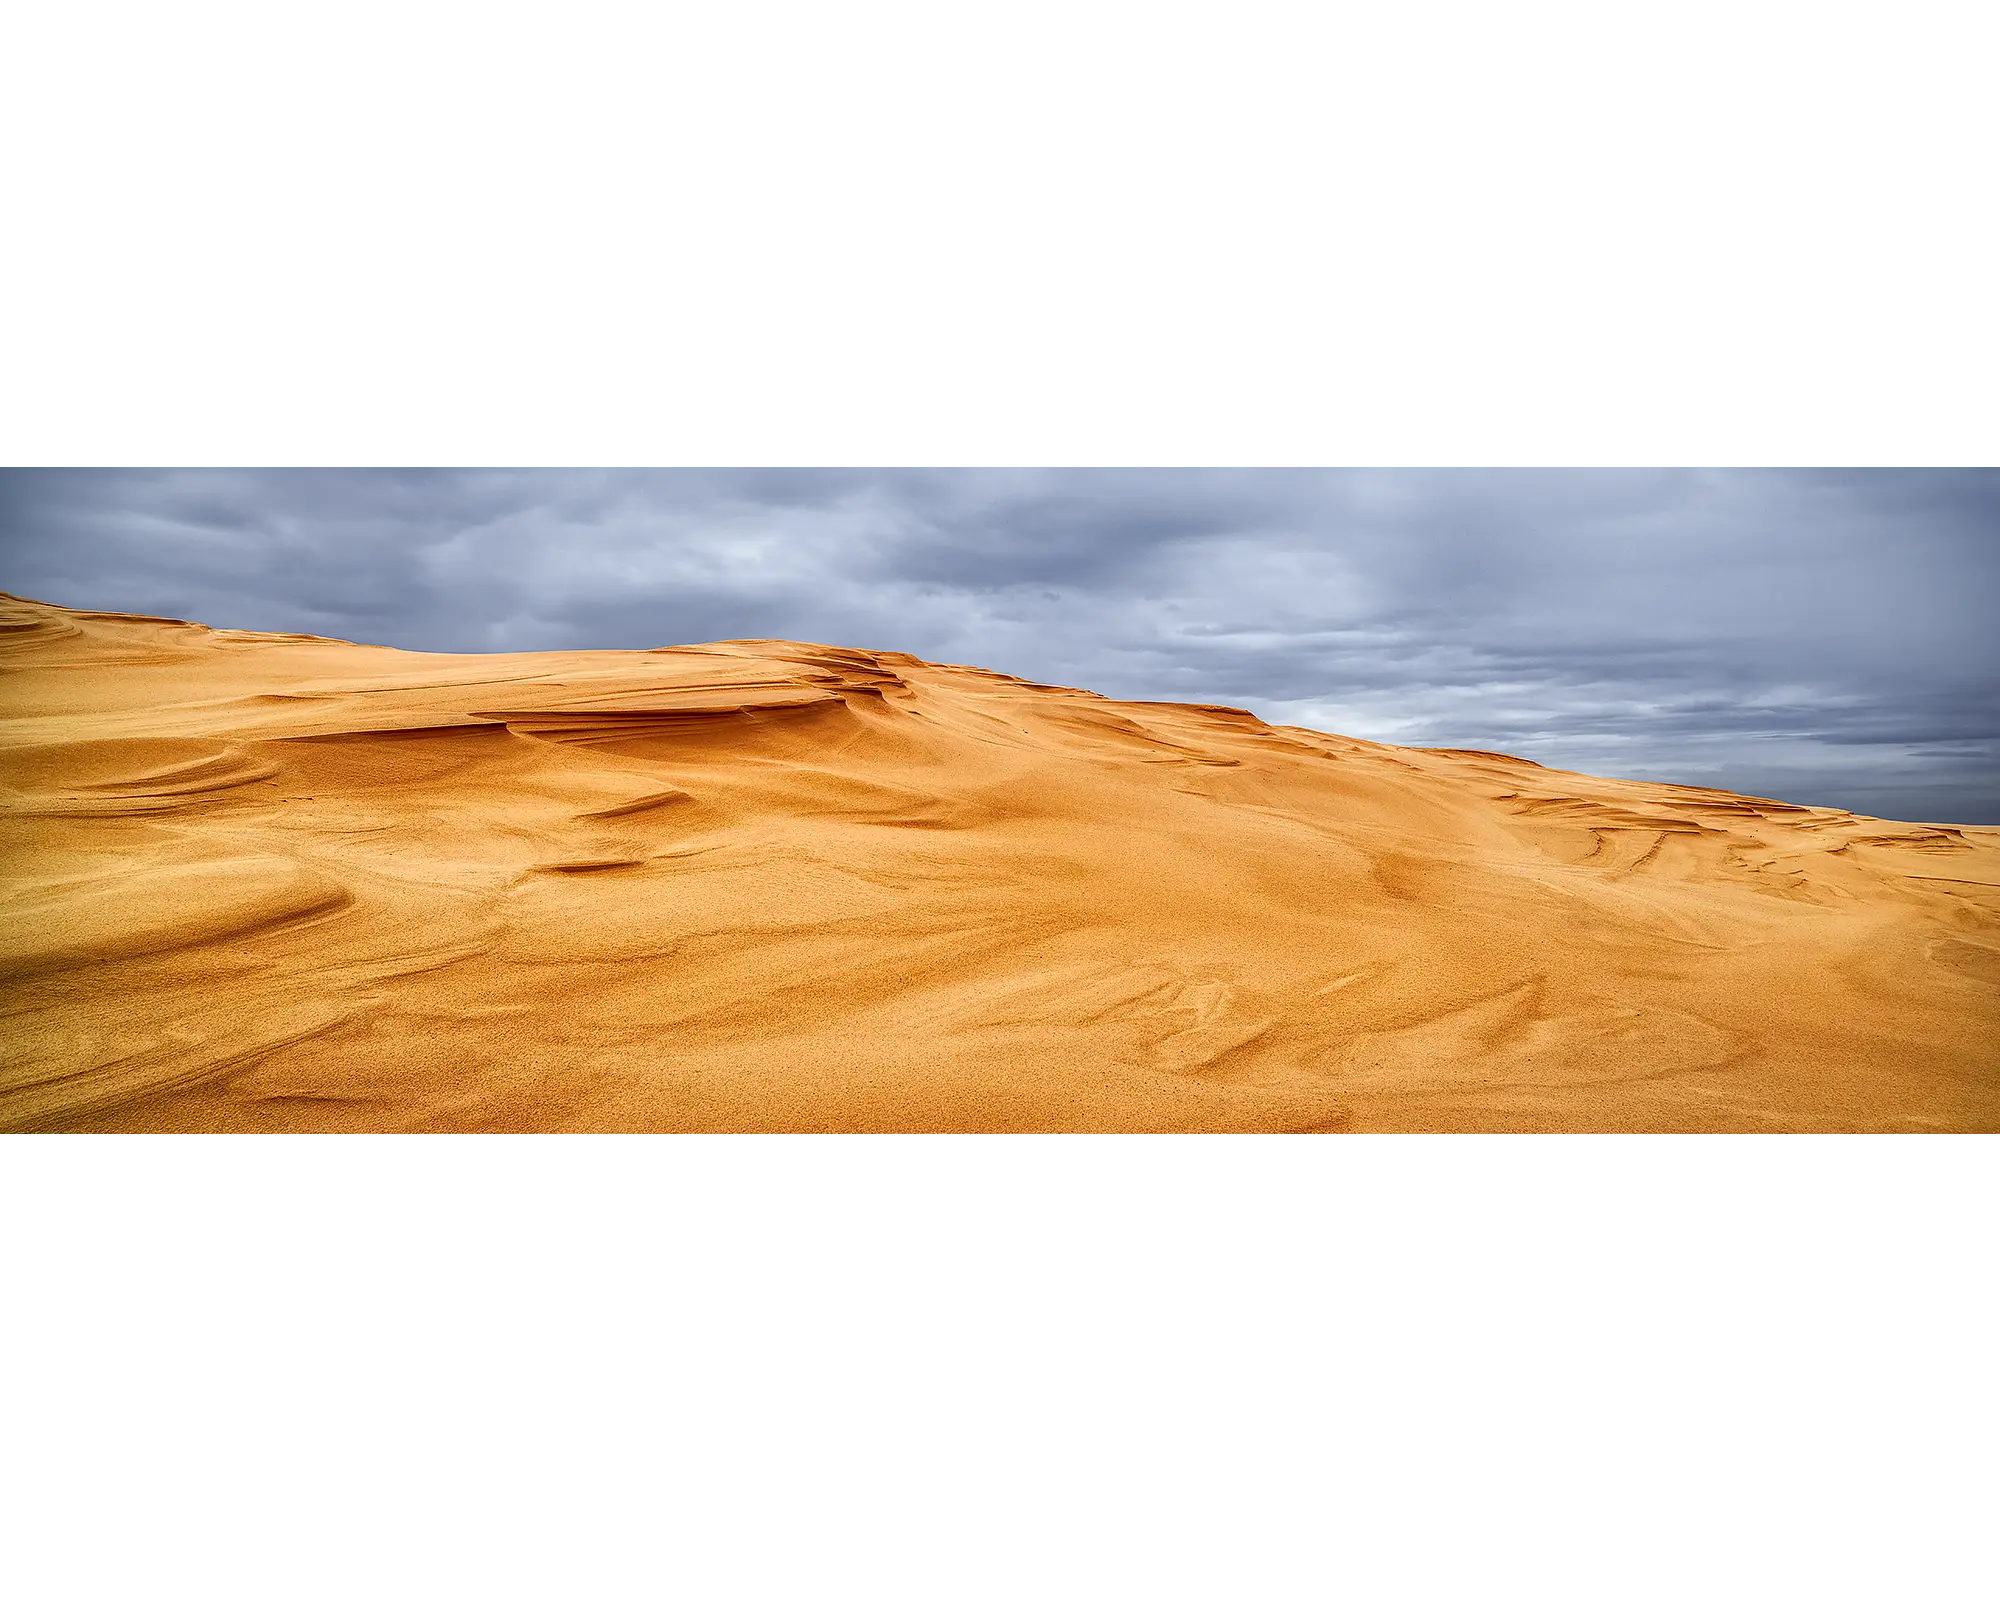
{"x": 261, "y": 882}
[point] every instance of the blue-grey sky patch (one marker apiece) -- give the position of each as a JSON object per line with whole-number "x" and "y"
{"x": 1821, "y": 636}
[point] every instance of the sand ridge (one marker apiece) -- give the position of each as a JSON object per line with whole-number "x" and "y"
{"x": 279, "y": 882}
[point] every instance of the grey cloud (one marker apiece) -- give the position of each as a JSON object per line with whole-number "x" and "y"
{"x": 1825, "y": 636}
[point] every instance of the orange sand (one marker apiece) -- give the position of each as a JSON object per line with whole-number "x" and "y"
{"x": 259, "y": 882}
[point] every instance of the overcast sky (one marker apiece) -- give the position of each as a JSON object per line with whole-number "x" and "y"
{"x": 1825, "y": 637}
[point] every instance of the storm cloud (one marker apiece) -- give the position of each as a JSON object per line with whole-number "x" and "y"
{"x": 1822, "y": 637}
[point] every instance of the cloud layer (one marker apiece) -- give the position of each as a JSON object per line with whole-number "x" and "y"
{"x": 1826, "y": 637}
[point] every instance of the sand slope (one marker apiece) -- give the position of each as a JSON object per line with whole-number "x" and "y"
{"x": 279, "y": 882}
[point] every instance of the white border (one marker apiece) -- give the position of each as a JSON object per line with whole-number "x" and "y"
{"x": 1088, "y": 234}
{"x": 1548, "y": 1366}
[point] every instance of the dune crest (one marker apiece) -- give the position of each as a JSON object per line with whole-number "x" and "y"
{"x": 279, "y": 882}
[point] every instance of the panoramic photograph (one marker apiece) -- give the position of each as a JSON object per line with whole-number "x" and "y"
{"x": 852, "y": 655}
{"x": 985, "y": 801}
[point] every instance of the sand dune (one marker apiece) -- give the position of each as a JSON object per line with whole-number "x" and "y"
{"x": 264, "y": 882}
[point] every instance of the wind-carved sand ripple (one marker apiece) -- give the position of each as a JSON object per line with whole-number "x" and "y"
{"x": 126, "y": 914}
{"x": 124, "y": 777}
{"x": 260, "y": 881}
